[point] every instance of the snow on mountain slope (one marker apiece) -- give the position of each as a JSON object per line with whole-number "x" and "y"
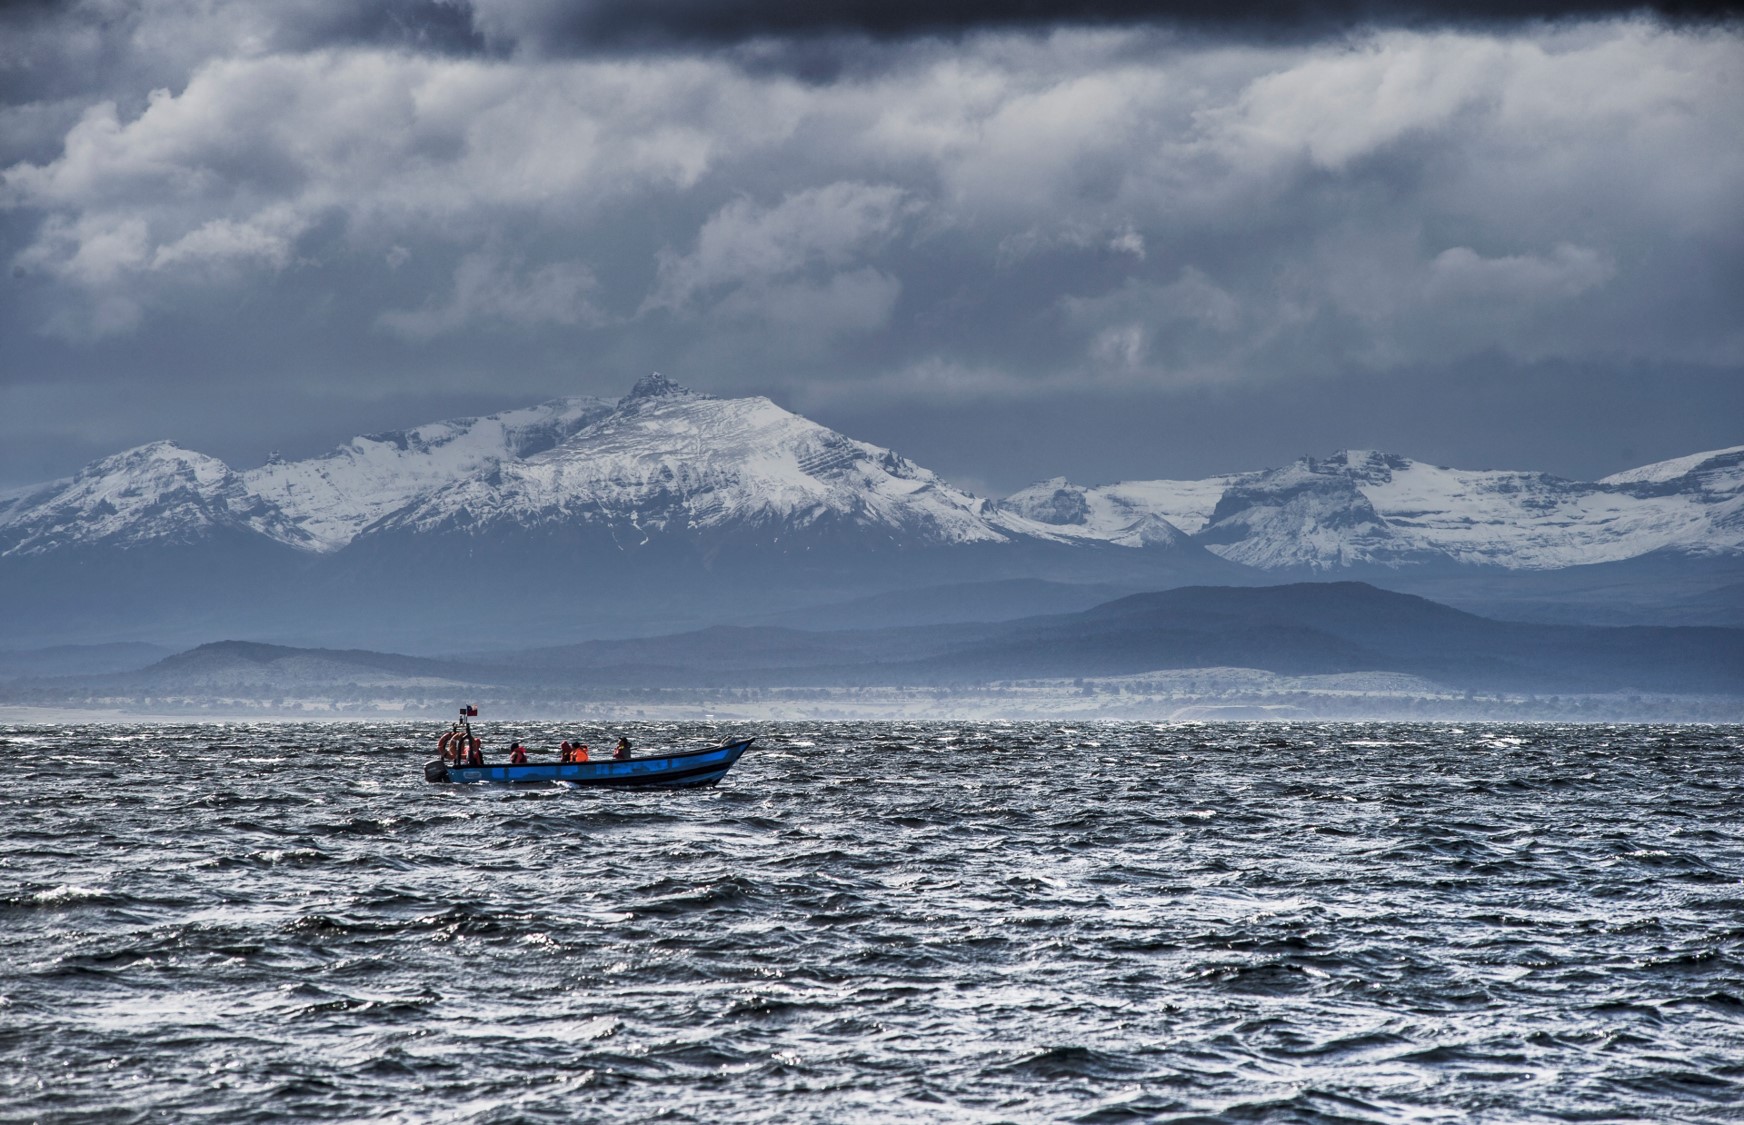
{"x": 1515, "y": 520}
{"x": 1718, "y": 471}
{"x": 1532, "y": 521}
{"x": 155, "y": 494}
{"x": 1710, "y": 486}
{"x": 1304, "y": 515}
{"x": 1134, "y": 513}
{"x": 671, "y": 462}
{"x": 1361, "y": 507}
{"x": 334, "y": 497}
{"x": 664, "y": 461}
{"x": 15, "y": 500}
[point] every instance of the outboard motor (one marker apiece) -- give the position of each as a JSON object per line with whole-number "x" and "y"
{"x": 435, "y": 770}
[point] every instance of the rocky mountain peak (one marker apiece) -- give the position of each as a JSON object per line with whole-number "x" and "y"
{"x": 155, "y": 493}
{"x": 1365, "y": 466}
{"x": 1056, "y": 502}
{"x": 158, "y": 460}
{"x": 653, "y": 385}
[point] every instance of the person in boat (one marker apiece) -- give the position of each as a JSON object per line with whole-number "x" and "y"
{"x": 444, "y": 744}
{"x": 474, "y": 752}
{"x": 621, "y": 750}
{"x": 578, "y": 753}
{"x": 517, "y": 755}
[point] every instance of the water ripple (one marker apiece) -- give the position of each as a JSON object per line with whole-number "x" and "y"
{"x": 944, "y": 922}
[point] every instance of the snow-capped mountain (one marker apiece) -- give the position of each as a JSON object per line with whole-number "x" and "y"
{"x": 1366, "y": 508}
{"x": 1719, "y": 472}
{"x": 333, "y": 498}
{"x": 1129, "y": 515}
{"x": 1134, "y": 513}
{"x": 157, "y": 494}
{"x": 1533, "y": 521}
{"x": 667, "y": 462}
{"x": 1703, "y": 496}
{"x": 1304, "y": 516}
{"x": 669, "y": 508}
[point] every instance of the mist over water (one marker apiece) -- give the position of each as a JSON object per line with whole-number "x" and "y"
{"x": 878, "y": 921}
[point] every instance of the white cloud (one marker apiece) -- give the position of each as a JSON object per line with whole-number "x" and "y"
{"x": 255, "y": 151}
{"x": 1165, "y": 327}
{"x": 266, "y": 240}
{"x": 89, "y": 250}
{"x": 489, "y": 293}
{"x": 1341, "y": 107}
{"x": 1124, "y": 345}
{"x": 745, "y": 245}
{"x": 1128, "y": 241}
{"x": 1565, "y": 272}
{"x": 1071, "y": 234}
{"x": 800, "y": 266}
{"x": 937, "y": 379}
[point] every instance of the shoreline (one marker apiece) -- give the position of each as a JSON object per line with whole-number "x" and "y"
{"x": 19, "y": 716}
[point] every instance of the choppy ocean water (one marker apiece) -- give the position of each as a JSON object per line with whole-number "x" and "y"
{"x": 870, "y": 922}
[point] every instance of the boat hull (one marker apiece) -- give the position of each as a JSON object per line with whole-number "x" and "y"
{"x": 686, "y": 770}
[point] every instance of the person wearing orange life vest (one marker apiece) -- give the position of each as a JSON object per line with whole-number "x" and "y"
{"x": 474, "y": 752}
{"x": 517, "y": 755}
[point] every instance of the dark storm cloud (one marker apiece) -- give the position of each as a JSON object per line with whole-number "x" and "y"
{"x": 63, "y": 48}
{"x": 424, "y": 25}
{"x": 589, "y": 25}
{"x": 433, "y": 25}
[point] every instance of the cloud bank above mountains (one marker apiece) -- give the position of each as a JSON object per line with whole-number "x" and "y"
{"x": 1156, "y": 240}
{"x": 555, "y": 26}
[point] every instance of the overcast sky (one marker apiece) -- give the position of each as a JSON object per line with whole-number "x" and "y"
{"x": 1164, "y": 240}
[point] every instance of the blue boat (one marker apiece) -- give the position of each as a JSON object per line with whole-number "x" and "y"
{"x": 681, "y": 769}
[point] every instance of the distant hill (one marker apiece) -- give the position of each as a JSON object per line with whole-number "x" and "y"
{"x": 1334, "y": 627}
{"x": 236, "y": 664}
{"x": 1297, "y": 629}
{"x": 956, "y": 603}
{"x": 1302, "y": 629}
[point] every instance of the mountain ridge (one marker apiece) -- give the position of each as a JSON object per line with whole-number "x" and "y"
{"x": 668, "y": 507}
{"x": 1362, "y": 507}
{"x": 591, "y": 459}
